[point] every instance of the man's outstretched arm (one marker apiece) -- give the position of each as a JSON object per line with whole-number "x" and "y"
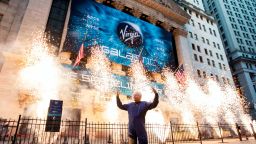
{"x": 119, "y": 103}
{"x": 155, "y": 101}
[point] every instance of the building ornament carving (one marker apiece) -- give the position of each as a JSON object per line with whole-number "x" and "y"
{"x": 137, "y": 13}
{"x": 179, "y": 31}
{"x": 118, "y": 5}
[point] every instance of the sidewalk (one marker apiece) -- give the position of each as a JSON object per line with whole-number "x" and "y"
{"x": 251, "y": 140}
{"x": 233, "y": 141}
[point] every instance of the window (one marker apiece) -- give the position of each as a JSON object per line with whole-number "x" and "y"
{"x": 204, "y": 74}
{"x": 243, "y": 28}
{"x": 204, "y": 28}
{"x": 191, "y": 35}
{"x": 201, "y": 59}
{"x": 196, "y": 38}
{"x": 247, "y": 66}
{"x": 223, "y": 36}
{"x": 217, "y": 78}
{"x": 192, "y": 22}
{"x": 214, "y": 33}
{"x": 224, "y": 66}
{"x": 224, "y": 80}
{"x": 214, "y": 44}
{"x": 234, "y": 26}
{"x": 199, "y": 25}
{"x": 210, "y": 30}
{"x": 206, "y": 51}
{"x": 217, "y": 55}
{"x": 218, "y": 46}
{"x": 195, "y": 57}
{"x": 198, "y": 48}
{"x": 208, "y": 42}
{"x": 190, "y": 12}
{"x": 221, "y": 29}
{"x": 232, "y": 19}
{"x": 254, "y": 37}
{"x": 213, "y": 63}
{"x": 237, "y": 33}
{"x": 221, "y": 57}
{"x": 210, "y": 52}
{"x": 220, "y": 65}
{"x": 203, "y": 39}
{"x": 208, "y": 61}
{"x": 198, "y": 73}
{"x": 225, "y": 1}
{"x": 193, "y": 46}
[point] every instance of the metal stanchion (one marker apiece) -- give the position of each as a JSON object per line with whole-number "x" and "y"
{"x": 199, "y": 133}
{"x": 16, "y": 131}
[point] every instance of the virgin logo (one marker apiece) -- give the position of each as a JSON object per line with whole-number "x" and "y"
{"x": 129, "y": 34}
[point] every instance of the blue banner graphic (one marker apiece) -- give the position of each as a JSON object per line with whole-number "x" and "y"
{"x": 121, "y": 83}
{"x": 122, "y": 37}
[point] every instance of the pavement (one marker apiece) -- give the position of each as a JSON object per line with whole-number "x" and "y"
{"x": 250, "y": 140}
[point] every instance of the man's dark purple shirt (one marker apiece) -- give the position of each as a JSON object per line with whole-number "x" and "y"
{"x": 137, "y": 112}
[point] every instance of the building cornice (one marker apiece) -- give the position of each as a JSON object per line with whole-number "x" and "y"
{"x": 168, "y": 12}
{"x": 242, "y": 59}
{"x": 241, "y": 71}
{"x": 196, "y": 9}
{"x": 239, "y": 51}
{"x": 173, "y": 11}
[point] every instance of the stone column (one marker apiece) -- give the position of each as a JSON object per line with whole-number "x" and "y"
{"x": 183, "y": 50}
{"x": 33, "y": 23}
{"x": 9, "y": 86}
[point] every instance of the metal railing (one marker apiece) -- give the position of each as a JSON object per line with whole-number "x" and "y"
{"x": 32, "y": 131}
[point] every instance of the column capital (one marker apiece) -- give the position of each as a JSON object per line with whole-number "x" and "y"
{"x": 152, "y": 19}
{"x": 179, "y": 31}
{"x": 166, "y": 26}
{"x": 137, "y": 13}
{"x": 118, "y": 5}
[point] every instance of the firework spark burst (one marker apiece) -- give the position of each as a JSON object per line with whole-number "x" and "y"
{"x": 42, "y": 75}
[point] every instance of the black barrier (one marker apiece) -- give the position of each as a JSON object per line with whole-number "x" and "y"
{"x": 28, "y": 130}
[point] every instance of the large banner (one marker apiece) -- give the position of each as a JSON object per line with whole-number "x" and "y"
{"x": 121, "y": 83}
{"x": 122, "y": 37}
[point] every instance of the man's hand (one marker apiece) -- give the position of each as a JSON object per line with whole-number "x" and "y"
{"x": 154, "y": 90}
